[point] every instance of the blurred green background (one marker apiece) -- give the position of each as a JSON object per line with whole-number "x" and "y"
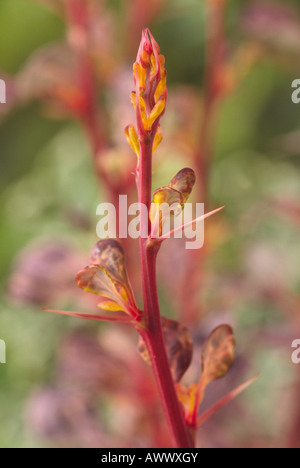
{"x": 45, "y": 170}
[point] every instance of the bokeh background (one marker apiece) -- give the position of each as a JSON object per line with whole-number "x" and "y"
{"x": 49, "y": 193}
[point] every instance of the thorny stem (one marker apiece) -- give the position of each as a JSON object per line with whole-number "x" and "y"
{"x": 153, "y": 334}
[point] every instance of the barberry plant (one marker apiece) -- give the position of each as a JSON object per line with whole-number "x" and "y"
{"x": 165, "y": 344}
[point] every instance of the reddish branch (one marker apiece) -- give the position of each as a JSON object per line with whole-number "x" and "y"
{"x": 150, "y": 100}
{"x": 153, "y": 335}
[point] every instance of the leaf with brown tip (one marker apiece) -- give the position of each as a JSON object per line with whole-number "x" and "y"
{"x": 217, "y": 354}
{"x": 167, "y": 196}
{"x": 107, "y": 277}
{"x": 169, "y": 201}
{"x": 110, "y": 255}
{"x": 217, "y": 358}
{"x": 179, "y": 346}
{"x": 96, "y": 280}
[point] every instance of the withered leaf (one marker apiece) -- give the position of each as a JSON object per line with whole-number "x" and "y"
{"x": 110, "y": 255}
{"x": 179, "y": 347}
{"x": 107, "y": 277}
{"x": 169, "y": 201}
{"x": 96, "y": 280}
{"x": 217, "y": 354}
{"x": 167, "y": 195}
{"x": 178, "y": 190}
{"x": 217, "y": 358}
{"x": 166, "y": 202}
{"x": 184, "y": 182}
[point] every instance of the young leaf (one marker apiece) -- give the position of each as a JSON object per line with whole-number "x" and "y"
{"x": 111, "y": 306}
{"x": 132, "y": 139}
{"x": 187, "y": 397}
{"x": 179, "y": 346}
{"x": 150, "y": 78}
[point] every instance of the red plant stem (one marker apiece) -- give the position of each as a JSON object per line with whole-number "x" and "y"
{"x": 153, "y": 334}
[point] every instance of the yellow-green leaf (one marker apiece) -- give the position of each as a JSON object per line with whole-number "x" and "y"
{"x": 111, "y": 306}
{"x": 167, "y": 195}
{"x": 187, "y": 397}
